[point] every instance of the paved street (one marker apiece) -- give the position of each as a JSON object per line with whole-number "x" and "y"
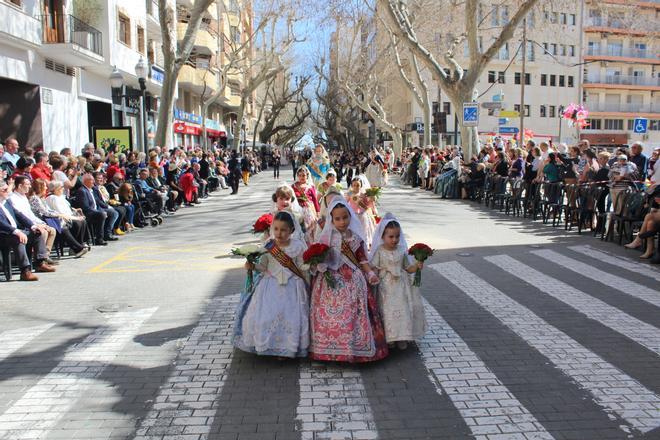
{"x": 534, "y": 334}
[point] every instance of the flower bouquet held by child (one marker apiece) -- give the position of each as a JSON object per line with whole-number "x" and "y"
{"x": 400, "y": 301}
{"x": 274, "y": 320}
{"x": 345, "y": 323}
{"x": 315, "y": 256}
{"x": 420, "y": 252}
{"x": 251, "y": 252}
{"x": 262, "y": 226}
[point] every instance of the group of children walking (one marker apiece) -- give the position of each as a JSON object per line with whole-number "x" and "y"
{"x": 354, "y": 306}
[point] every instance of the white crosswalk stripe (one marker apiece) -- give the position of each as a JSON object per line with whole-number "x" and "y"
{"x": 333, "y": 404}
{"x": 625, "y": 263}
{"x": 13, "y": 340}
{"x": 44, "y": 404}
{"x": 486, "y": 405}
{"x": 606, "y": 383}
{"x": 635, "y": 329}
{"x": 210, "y": 342}
{"x": 622, "y": 284}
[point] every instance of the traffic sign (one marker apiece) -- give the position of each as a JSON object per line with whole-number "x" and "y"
{"x": 509, "y": 114}
{"x": 509, "y": 130}
{"x": 491, "y": 105}
{"x": 499, "y": 97}
{"x": 641, "y": 125}
{"x": 502, "y": 121}
{"x": 470, "y": 114}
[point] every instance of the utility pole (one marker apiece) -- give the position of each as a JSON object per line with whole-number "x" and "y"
{"x": 522, "y": 85}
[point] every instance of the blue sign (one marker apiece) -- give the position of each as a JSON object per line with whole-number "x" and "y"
{"x": 641, "y": 125}
{"x": 498, "y": 98}
{"x": 470, "y": 114}
{"x": 157, "y": 75}
{"x": 187, "y": 117}
{"x": 509, "y": 130}
{"x": 502, "y": 121}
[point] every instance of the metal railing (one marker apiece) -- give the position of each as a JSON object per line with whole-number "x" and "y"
{"x": 69, "y": 29}
{"x": 630, "y": 80}
{"x": 611, "y": 51}
{"x": 602, "y": 22}
{"x": 623, "y": 107}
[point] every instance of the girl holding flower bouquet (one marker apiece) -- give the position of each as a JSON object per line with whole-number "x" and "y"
{"x": 400, "y": 301}
{"x": 364, "y": 206}
{"x": 345, "y": 322}
{"x": 274, "y": 319}
{"x": 305, "y": 193}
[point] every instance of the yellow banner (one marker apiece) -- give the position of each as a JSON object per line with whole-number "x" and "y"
{"x": 117, "y": 139}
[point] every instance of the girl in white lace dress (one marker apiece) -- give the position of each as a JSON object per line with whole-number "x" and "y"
{"x": 400, "y": 302}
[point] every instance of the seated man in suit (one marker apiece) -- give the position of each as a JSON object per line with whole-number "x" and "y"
{"x": 18, "y": 231}
{"x": 94, "y": 211}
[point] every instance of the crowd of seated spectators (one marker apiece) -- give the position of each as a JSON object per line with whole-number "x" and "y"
{"x": 626, "y": 171}
{"x": 50, "y": 202}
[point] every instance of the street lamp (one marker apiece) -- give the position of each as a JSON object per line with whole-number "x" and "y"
{"x": 141, "y": 73}
{"x": 118, "y": 92}
{"x": 561, "y": 113}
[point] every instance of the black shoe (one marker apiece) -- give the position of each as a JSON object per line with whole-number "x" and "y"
{"x": 110, "y": 238}
{"x": 100, "y": 242}
{"x": 81, "y": 252}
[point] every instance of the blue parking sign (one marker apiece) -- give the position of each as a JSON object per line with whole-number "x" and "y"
{"x": 470, "y": 114}
{"x": 641, "y": 125}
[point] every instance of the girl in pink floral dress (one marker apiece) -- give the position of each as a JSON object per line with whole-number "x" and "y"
{"x": 345, "y": 323}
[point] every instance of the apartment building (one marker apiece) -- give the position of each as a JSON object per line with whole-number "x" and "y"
{"x": 56, "y": 58}
{"x": 551, "y": 78}
{"x": 621, "y": 79}
{"x": 226, "y": 24}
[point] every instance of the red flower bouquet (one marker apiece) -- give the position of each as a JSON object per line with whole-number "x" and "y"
{"x": 420, "y": 252}
{"x": 316, "y": 254}
{"x": 262, "y": 224}
{"x": 378, "y": 219}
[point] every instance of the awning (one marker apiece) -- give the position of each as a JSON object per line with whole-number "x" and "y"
{"x": 215, "y": 133}
{"x": 605, "y": 138}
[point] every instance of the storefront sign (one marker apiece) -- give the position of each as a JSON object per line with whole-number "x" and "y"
{"x": 117, "y": 139}
{"x": 187, "y": 117}
{"x": 157, "y": 75}
{"x": 183, "y": 128}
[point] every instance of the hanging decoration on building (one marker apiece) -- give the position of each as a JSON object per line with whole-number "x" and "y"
{"x": 576, "y": 115}
{"x": 529, "y": 135}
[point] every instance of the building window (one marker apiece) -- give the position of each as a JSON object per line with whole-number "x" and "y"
{"x": 654, "y": 125}
{"x": 544, "y": 79}
{"x": 562, "y": 18}
{"x": 447, "y": 107}
{"x": 631, "y": 124}
{"x": 500, "y": 77}
{"x": 594, "y": 124}
{"x": 562, "y": 81}
{"x": 571, "y": 20}
{"x": 140, "y": 39}
{"x": 495, "y": 16}
{"x": 504, "y": 52}
{"x": 553, "y": 80}
{"x": 530, "y": 51}
{"x": 518, "y": 75}
{"x": 613, "y": 124}
{"x": 124, "y": 29}
{"x": 563, "y": 52}
{"x": 571, "y": 50}
{"x": 491, "y": 76}
{"x": 553, "y": 46}
{"x": 505, "y": 15}
{"x": 516, "y": 107}
{"x": 235, "y": 34}
{"x": 543, "y": 111}
{"x": 570, "y": 81}
{"x": 516, "y": 78}
{"x": 16, "y": 2}
{"x": 234, "y": 88}
{"x": 528, "y": 111}
{"x": 552, "y": 111}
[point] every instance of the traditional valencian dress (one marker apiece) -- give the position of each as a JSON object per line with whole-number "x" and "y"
{"x": 319, "y": 165}
{"x": 309, "y": 203}
{"x": 400, "y": 302}
{"x": 375, "y": 171}
{"x": 345, "y": 323}
{"x": 274, "y": 318}
{"x": 364, "y": 209}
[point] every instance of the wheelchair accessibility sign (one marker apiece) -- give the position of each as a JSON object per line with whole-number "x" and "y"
{"x": 641, "y": 125}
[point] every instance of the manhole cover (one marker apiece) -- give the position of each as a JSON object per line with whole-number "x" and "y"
{"x": 464, "y": 254}
{"x": 112, "y": 308}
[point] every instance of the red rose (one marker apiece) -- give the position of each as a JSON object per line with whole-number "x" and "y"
{"x": 263, "y": 223}
{"x": 421, "y": 252}
{"x": 316, "y": 253}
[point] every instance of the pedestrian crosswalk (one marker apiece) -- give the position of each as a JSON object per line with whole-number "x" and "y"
{"x": 492, "y": 394}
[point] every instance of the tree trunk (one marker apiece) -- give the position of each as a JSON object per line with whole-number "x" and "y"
{"x": 239, "y": 122}
{"x": 469, "y": 135}
{"x": 427, "y": 121}
{"x": 164, "y": 130}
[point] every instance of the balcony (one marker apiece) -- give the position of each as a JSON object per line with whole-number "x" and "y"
{"x": 18, "y": 28}
{"x": 623, "y": 108}
{"x": 614, "y": 25}
{"x": 199, "y": 81}
{"x": 635, "y": 82}
{"x": 205, "y": 42}
{"x": 71, "y": 41}
{"x": 614, "y": 53}
{"x": 153, "y": 20}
